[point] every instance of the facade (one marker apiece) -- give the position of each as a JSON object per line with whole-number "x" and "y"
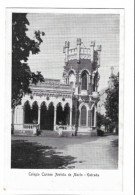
{"x": 69, "y": 106}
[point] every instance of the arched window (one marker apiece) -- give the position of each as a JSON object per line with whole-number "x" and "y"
{"x": 34, "y": 113}
{"x": 84, "y": 81}
{"x": 93, "y": 116}
{"x": 83, "y": 115}
{"x": 27, "y": 113}
{"x": 72, "y": 79}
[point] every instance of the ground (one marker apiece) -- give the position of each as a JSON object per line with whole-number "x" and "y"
{"x": 65, "y": 152}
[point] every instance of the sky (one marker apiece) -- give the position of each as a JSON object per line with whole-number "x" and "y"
{"x": 58, "y": 28}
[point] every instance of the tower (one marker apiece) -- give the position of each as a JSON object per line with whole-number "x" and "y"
{"x": 111, "y": 79}
{"x": 81, "y": 73}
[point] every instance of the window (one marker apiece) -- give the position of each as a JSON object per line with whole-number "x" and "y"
{"x": 83, "y": 116}
{"x": 84, "y": 81}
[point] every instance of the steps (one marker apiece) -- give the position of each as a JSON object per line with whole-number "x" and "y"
{"x": 48, "y": 133}
{"x": 88, "y": 133}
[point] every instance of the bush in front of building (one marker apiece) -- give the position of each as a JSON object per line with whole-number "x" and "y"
{"x": 100, "y": 132}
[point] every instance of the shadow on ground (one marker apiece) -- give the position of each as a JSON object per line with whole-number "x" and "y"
{"x": 29, "y": 155}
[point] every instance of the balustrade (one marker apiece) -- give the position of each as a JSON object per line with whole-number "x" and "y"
{"x": 85, "y": 51}
{"x": 25, "y": 126}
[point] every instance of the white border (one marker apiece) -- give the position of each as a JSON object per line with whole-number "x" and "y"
{"x": 128, "y": 148}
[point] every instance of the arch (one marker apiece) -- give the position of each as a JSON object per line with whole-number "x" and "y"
{"x": 43, "y": 115}
{"x": 86, "y": 70}
{"x": 67, "y": 105}
{"x": 59, "y": 114}
{"x": 34, "y": 112}
{"x": 27, "y": 113}
{"x": 73, "y": 115}
{"x": 60, "y": 104}
{"x": 92, "y": 116}
{"x": 26, "y": 103}
{"x": 43, "y": 104}
{"x": 50, "y": 117}
{"x": 66, "y": 114}
{"x": 71, "y": 70}
{"x": 93, "y": 105}
{"x": 72, "y": 79}
{"x": 50, "y": 104}
{"x": 84, "y": 80}
{"x": 34, "y": 104}
{"x": 80, "y": 109}
{"x": 83, "y": 115}
{"x": 85, "y": 104}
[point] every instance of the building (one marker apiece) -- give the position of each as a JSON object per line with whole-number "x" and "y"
{"x": 101, "y": 104}
{"x": 103, "y": 93}
{"x": 69, "y": 106}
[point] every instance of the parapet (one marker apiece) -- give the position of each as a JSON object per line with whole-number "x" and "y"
{"x": 81, "y": 52}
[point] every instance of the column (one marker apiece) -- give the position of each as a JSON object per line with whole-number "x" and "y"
{"x": 95, "y": 116}
{"x": 55, "y": 110}
{"x": 12, "y": 116}
{"x": 23, "y": 115}
{"x": 93, "y": 75}
{"x": 70, "y": 117}
{"x": 91, "y": 119}
{"x": 39, "y": 113}
{"x": 12, "y": 125}
{"x": 87, "y": 112}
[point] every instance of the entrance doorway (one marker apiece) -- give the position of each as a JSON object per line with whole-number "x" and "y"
{"x": 47, "y": 117}
{"x": 31, "y": 114}
{"x": 63, "y": 116}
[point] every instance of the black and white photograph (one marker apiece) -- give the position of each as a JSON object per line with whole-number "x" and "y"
{"x": 66, "y": 78}
{"x": 65, "y": 91}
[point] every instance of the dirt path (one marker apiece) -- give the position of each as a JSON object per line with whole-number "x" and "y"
{"x": 89, "y": 153}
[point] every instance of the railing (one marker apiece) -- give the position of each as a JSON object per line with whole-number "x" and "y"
{"x": 18, "y": 127}
{"x": 73, "y": 51}
{"x": 65, "y": 128}
{"x": 85, "y": 51}
{"x": 25, "y": 126}
{"x": 28, "y": 126}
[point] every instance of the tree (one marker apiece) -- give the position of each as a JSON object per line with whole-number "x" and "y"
{"x": 22, "y": 45}
{"x": 112, "y": 102}
{"x": 100, "y": 119}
